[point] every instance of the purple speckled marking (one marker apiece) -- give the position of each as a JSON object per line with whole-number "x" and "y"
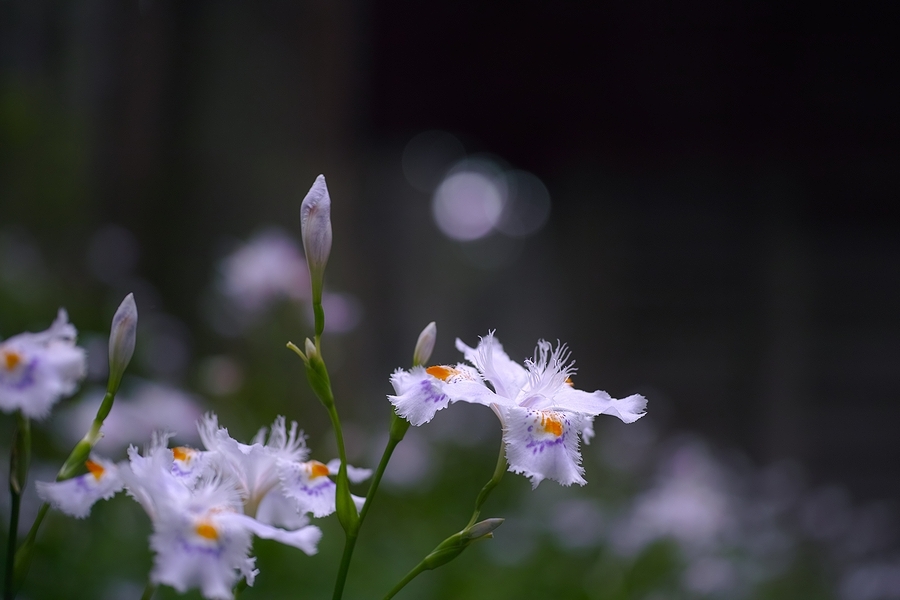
{"x": 179, "y": 472}
{"x": 432, "y": 393}
{"x": 25, "y": 379}
{"x": 538, "y": 446}
{"x": 318, "y": 489}
{"x": 81, "y": 482}
{"x": 194, "y": 549}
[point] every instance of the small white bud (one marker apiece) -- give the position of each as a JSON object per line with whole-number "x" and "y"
{"x": 310, "y": 349}
{"x": 315, "y": 227}
{"x": 425, "y": 344}
{"x": 121, "y": 337}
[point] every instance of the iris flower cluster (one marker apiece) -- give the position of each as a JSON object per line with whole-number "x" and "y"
{"x": 206, "y": 505}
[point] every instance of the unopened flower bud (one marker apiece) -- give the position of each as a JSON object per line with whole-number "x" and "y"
{"x": 425, "y": 345}
{"x": 121, "y": 339}
{"x": 310, "y": 348}
{"x": 482, "y": 529}
{"x": 315, "y": 227}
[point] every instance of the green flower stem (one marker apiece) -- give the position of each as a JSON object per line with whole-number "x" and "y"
{"x": 341, "y": 580}
{"x": 148, "y": 591}
{"x": 70, "y": 468}
{"x": 19, "y": 459}
{"x": 399, "y": 427}
{"x": 499, "y": 470}
{"x": 82, "y": 449}
{"x": 409, "y": 577}
{"x": 9, "y": 587}
{"x": 319, "y": 314}
{"x": 320, "y": 382}
{"x": 456, "y": 543}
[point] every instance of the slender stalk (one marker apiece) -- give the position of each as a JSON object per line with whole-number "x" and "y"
{"x": 148, "y": 591}
{"x": 9, "y": 586}
{"x": 482, "y": 497}
{"x": 19, "y": 459}
{"x": 346, "y": 557}
{"x": 409, "y": 577}
{"x": 350, "y": 542}
{"x": 70, "y": 467}
{"x": 376, "y": 479}
{"x": 350, "y": 530}
{"x": 499, "y": 470}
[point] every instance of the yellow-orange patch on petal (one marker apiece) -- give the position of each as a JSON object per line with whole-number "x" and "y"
{"x": 441, "y": 372}
{"x": 207, "y": 530}
{"x": 182, "y": 453}
{"x": 11, "y": 359}
{"x": 317, "y": 469}
{"x": 95, "y": 469}
{"x": 551, "y": 424}
{"x": 568, "y": 381}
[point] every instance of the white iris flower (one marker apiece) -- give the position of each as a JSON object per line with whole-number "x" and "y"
{"x": 542, "y": 413}
{"x": 36, "y": 369}
{"x": 76, "y": 496}
{"x": 202, "y": 503}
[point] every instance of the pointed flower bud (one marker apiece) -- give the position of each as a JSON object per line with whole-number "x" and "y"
{"x": 311, "y": 351}
{"x": 482, "y": 529}
{"x": 425, "y": 345}
{"x": 456, "y": 543}
{"x": 315, "y": 227}
{"x": 121, "y": 339}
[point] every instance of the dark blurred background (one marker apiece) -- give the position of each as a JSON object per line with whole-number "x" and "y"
{"x": 722, "y": 181}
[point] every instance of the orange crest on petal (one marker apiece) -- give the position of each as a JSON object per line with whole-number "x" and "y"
{"x": 441, "y": 372}
{"x": 11, "y": 359}
{"x": 551, "y": 424}
{"x": 182, "y": 453}
{"x": 95, "y": 469}
{"x": 207, "y": 530}
{"x": 317, "y": 469}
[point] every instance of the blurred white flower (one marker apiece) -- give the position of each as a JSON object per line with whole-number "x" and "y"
{"x": 36, "y": 369}
{"x": 141, "y": 410}
{"x": 689, "y": 503}
{"x": 267, "y": 268}
{"x": 76, "y": 496}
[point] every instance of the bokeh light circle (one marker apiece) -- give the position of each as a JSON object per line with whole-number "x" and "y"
{"x": 469, "y": 202}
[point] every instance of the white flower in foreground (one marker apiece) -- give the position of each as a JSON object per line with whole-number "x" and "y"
{"x": 254, "y": 466}
{"x": 202, "y": 539}
{"x": 36, "y": 369}
{"x": 76, "y": 496}
{"x": 276, "y": 482}
{"x": 309, "y": 486}
{"x": 541, "y": 412}
{"x": 201, "y": 536}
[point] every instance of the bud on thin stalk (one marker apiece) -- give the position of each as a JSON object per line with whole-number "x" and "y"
{"x": 121, "y": 340}
{"x": 315, "y": 227}
{"x": 425, "y": 344}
